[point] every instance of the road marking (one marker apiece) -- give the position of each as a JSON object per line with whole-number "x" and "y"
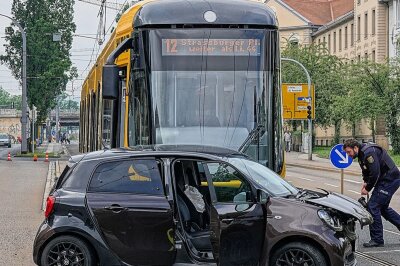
{"x": 304, "y": 178}
{"x": 381, "y": 251}
{"x": 391, "y": 232}
{"x": 331, "y": 185}
{"x": 355, "y": 192}
{"x": 352, "y": 181}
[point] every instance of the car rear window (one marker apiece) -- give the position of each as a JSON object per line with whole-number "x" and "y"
{"x": 136, "y": 176}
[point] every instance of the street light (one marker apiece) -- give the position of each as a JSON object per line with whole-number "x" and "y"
{"x": 24, "y": 119}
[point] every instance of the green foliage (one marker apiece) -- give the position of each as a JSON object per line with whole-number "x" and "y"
{"x": 6, "y": 99}
{"x": 326, "y": 72}
{"x": 348, "y": 92}
{"x": 67, "y": 104}
{"x": 48, "y": 62}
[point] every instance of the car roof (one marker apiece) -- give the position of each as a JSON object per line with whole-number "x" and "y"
{"x": 159, "y": 150}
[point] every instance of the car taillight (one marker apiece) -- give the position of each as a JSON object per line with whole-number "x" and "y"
{"x": 49, "y": 205}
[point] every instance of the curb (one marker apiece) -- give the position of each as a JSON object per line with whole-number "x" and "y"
{"x": 49, "y": 179}
{"x": 323, "y": 169}
{"x": 52, "y": 172}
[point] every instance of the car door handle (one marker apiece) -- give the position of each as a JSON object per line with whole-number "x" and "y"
{"x": 115, "y": 208}
{"x": 227, "y": 221}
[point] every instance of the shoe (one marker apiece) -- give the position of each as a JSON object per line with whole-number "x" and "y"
{"x": 372, "y": 244}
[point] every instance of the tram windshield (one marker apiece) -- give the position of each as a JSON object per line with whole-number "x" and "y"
{"x": 209, "y": 86}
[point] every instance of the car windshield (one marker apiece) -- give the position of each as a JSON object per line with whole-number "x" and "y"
{"x": 265, "y": 177}
{"x": 3, "y": 136}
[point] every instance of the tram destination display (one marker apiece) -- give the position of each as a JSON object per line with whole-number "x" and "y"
{"x": 211, "y": 47}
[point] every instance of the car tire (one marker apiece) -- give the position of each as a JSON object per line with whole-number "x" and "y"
{"x": 300, "y": 253}
{"x": 70, "y": 248}
{"x": 9, "y": 146}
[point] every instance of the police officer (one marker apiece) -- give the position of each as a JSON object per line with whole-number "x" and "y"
{"x": 379, "y": 172}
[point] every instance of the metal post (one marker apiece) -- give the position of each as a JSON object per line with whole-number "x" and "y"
{"x": 33, "y": 130}
{"x": 57, "y": 121}
{"x": 24, "y": 119}
{"x": 341, "y": 180}
{"x": 309, "y": 96}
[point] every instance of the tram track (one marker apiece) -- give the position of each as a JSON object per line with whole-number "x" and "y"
{"x": 373, "y": 259}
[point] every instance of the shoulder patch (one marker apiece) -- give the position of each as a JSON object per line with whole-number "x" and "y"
{"x": 370, "y": 159}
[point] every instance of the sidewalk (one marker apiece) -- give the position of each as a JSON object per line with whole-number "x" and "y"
{"x": 298, "y": 159}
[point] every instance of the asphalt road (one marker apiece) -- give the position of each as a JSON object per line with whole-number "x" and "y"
{"x": 313, "y": 179}
{"x": 21, "y": 193}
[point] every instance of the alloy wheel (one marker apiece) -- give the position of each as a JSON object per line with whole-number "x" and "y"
{"x": 66, "y": 254}
{"x": 295, "y": 257}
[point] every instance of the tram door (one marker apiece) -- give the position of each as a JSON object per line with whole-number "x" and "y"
{"x": 114, "y": 117}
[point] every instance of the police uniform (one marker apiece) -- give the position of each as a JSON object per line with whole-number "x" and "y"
{"x": 379, "y": 172}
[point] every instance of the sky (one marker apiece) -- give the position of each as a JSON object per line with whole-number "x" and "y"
{"x": 84, "y": 47}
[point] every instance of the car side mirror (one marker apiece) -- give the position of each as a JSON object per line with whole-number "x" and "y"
{"x": 262, "y": 196}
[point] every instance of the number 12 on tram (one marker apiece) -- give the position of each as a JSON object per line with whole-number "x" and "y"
{"x": 189, "y": 73}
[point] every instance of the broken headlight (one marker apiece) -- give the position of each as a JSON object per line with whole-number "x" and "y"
{"x": 332, "y": 221}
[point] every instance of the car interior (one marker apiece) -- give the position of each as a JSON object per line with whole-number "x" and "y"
{"x": 194, "y": 220}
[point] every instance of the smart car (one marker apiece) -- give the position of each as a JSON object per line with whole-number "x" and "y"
{"x": 165, "y": 204}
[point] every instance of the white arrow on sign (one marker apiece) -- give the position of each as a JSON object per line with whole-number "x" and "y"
{"x": 344, "y": 159}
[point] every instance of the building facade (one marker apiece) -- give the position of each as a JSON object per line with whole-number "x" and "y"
{"x": 350, "y": 29}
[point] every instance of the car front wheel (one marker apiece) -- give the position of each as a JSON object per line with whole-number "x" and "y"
{"x": 67, "y": 250}
{"x": 297, "y": 253}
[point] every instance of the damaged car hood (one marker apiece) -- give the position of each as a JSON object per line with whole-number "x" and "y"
{"x": 343, "y": 204}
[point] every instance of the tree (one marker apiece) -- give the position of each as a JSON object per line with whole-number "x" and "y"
{"x": 48, "y": 62}
{"x": 392, "y": 96}
{"x": 6, "y": 99}
{"x": 326, "y": 73}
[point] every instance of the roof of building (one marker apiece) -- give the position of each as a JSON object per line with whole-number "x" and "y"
{"x": 320, "y": 12}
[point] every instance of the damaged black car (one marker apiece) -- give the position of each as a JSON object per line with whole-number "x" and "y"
{"x": 166, "y": 204}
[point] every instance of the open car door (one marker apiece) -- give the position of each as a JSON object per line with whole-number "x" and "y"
{"x": 237, "y": 220}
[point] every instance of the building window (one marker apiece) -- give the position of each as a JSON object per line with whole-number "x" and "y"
{"x": 340, "y": 40}
{"x": 345, "y": 37}
{"x": 366, "y": 56}
{"x": 334, "y": 42}
{"x": 359, "y": 58}
{"x": 358, "y": 2}
{"x": 329, "y": 43}
{"x": 373, "y": 56}
{"x": 366, "y": 25}
{"x": 358, "y": 28}
{"x": 352, "y": 61}
{"x": 398, "y": 49}
{"x": 319, "y": 41}
{"x": 373, "y": 21}
{"x": 398, "y": 14}
{"x": 352, "y": 34}
{"x": 324, "y": 42}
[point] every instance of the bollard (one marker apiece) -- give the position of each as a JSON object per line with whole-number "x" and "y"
{"x": 35, "y": 158}
{"x": 47, "y": 158}
{"x": 9, "y": 157}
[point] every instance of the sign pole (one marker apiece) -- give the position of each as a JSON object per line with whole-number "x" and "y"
{"x": 341, "y": 180}
{"x": 310, "y": 128}
{"x": 340, "y": 160}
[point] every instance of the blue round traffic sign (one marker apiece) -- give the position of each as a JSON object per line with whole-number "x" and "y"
{"x": 339, "y": 158}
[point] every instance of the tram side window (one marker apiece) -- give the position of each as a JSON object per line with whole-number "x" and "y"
{"x": 107, "y": 122}
{"x": 139, "y": 133}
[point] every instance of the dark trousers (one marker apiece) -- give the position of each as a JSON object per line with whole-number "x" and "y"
{"x": 378, "y": 206}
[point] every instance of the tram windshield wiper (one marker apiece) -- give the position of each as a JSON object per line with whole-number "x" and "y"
{"x": 256, "y": 131}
